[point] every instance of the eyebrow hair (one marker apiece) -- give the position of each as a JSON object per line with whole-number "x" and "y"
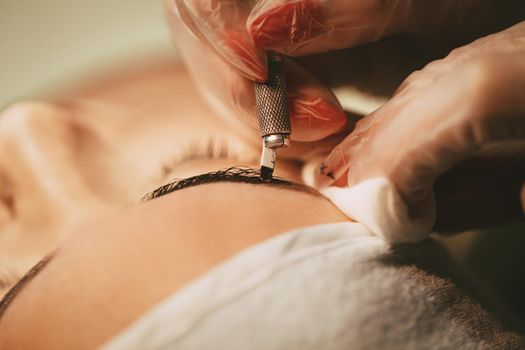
{"x": 240, "y": 174}
{"x": 15, "y": 290}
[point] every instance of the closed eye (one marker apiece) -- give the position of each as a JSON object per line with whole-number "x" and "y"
{"x": 8, "y": 277}
{"x": 208, "y": 148}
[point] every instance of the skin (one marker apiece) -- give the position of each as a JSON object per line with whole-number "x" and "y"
{"x": 122, "y": 256}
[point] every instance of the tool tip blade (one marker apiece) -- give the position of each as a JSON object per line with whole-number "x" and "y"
{"x": 266, "y": 173}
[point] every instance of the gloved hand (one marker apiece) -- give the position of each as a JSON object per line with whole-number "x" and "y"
{"x": 458, "y": 123}
{"x": 225, "y": 52}
{"x": 224, "y": 55}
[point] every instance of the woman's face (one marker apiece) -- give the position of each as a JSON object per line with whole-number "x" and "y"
{"x": 83, "y": 165}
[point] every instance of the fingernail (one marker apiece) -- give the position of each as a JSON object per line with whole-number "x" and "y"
{"x": 314, "y": 119}
{"x": 286, "y": 24}
{"x": 332, "y": 169}
{"x": 242, "y": 53}
{"x": 323, "y": 176}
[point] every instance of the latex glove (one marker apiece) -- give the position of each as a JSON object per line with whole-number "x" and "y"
{"x": 228, "y": 83}
{"x": 460, "y": 121}
{"x": 225, "y": 53}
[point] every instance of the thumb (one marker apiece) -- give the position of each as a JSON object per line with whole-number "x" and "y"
{"x": 312, "y": 26}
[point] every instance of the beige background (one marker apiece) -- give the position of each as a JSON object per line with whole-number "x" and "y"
{"x": 47, "y": 44}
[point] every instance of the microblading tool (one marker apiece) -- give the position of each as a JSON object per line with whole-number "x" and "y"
{"x": 272, "y": 111}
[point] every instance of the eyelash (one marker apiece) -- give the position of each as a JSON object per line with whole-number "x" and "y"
{"x": 210, "y": 148}
{"x": 8, "y": 277}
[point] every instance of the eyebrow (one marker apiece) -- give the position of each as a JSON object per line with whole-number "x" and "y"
{"x": 17, "y": 288}
{"x": 238, "y": 174}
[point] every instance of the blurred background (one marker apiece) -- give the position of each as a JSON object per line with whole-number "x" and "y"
{"x": 46, "y": 45}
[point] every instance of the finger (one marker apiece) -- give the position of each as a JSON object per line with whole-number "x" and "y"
{"x": 220, "y": 24}
{"x": 310, "y": 26}
{"x": 411, "y": 144}
{"x": 311, "y": 150}
{"x": 314, "y": 110}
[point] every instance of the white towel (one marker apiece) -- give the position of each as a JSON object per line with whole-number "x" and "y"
{"x": 327, "y": 287}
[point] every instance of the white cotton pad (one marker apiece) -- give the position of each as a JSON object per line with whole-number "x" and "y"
{"x": 377, "y": 204}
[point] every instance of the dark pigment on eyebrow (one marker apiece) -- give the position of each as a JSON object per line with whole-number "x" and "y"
{"x": 238, "y": 174}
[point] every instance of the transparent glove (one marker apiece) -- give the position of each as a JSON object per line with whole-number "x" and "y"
{"x": 232, "y": 96}
{"x": 225, "y": 50}
{"x": 451, "y": 141}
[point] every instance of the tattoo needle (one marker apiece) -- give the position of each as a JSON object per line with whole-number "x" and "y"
{"x": 272, "y": 111}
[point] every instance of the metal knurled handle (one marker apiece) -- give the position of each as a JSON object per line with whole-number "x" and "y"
{"x": 271, "y": 100}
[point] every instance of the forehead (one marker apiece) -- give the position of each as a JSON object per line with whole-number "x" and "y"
{"x": 135, "y": 258}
